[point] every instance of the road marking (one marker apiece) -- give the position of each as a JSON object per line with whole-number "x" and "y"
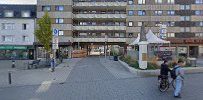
{"x": 44, "y": 87}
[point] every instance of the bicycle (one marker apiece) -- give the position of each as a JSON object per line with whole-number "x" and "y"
{"x": 164, "y": 83}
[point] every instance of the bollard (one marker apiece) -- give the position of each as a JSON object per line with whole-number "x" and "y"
{"x": 9, "y": 77}
{"x": 13, "y": 63}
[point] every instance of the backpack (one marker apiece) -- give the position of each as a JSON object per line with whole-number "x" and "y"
{"x": 173, "y": 73}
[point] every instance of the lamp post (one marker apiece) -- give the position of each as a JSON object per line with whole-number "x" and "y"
{"x": 106, "y": 40}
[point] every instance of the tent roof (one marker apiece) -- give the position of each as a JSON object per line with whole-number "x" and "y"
{"x": 151, "y": 38}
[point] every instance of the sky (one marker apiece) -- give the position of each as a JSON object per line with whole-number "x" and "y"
{"x": 18, "y": 1}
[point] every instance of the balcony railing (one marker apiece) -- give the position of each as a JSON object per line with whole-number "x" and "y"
{"x": 113, "y": 3}
{"x": 119, "y": 16}
{"x": 99, "y": 28}
{"x": 100, "y": 39}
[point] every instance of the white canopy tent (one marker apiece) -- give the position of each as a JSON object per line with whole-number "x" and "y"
{"x": 151, "y": 38}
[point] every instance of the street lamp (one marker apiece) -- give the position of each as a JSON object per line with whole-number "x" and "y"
{"x": 106, "y": 40}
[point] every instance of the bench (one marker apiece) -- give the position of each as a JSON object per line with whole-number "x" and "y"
{"x": 33, "y": 64}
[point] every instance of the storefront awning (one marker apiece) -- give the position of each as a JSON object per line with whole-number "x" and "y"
{"x": 13, "y": 47}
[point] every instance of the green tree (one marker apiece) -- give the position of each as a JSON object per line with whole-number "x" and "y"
{"x": 44, "y": 32}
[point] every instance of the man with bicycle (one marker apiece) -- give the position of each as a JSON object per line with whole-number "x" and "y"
{"x": 164, "y": 70}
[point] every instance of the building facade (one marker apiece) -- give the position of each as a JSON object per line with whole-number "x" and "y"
{"x": 17, "y": 24}
{"x": 83, "y": 23}
{"x": 183, "y": 19}
{"x": 61, "y": 15}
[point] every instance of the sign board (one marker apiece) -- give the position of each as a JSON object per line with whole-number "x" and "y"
{"x": 55, "y": 32}
{"x": 162, "y": 31}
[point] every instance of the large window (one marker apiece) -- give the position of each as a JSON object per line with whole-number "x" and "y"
{"x": 7, "y": 26}
{"x": 141, "y": 2}
{"x": 61, "y": 33}
{"x": 130, "y": 2}
{"x": 185, "y": 18}
{"x": 170, "y": 1}
{"x": 171, "y": 35}
{"x": 199, "y": 23}
{"x": 59, "y": 8}
{"x": 141, "y": 13}
{"x": 59, "y": 20}
{"x": 8, "y": 13}
{"x": 198, "y": 12}
{"x": 158, "y": 1}
{"x": 25, "y": 13}
{"x": 130, "y": 12}
{"x": 171, "y": 12}
{"x": 185, "y": 7}
{"x": 7, "y": 38}
{"x": 158, "y": 13}
{"x": 199, "y": 1}
{"x": 46, "y": 8}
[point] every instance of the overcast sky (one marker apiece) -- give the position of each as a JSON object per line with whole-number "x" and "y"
{"x": 18, "y": 1}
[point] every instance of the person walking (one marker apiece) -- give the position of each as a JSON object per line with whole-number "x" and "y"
{"x": 179, "y": 79}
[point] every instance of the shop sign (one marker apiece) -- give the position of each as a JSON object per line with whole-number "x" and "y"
{"x": 13, "y": 47}
{"x": 182, "y": 49}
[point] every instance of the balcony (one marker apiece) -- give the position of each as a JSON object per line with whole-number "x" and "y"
{"x": 100, "y": 4}
{"x": 101, "y": 16}
{"x": 100, "y": 28}
{"x": 100, "y": 39}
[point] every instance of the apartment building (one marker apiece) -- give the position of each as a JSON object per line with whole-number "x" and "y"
{"x": 84, "y": 23}
{"x": 17, "y": 24}
{"x": 61, "y": 15}
{"x": 183, "y": 19}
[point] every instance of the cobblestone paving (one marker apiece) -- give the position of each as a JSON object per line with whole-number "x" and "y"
{"x": 90, "y": 80}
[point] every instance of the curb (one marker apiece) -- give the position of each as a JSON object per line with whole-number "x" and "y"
{"x": 189, "y": 70}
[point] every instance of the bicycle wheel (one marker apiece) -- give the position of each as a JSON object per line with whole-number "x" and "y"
{"x": 173, "y": 82}
{"x": 164, "y": 85}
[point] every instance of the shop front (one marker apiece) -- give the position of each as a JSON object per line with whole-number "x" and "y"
{"x": 16, "y": 52}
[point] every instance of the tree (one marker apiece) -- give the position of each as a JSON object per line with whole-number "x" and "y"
{"x": 44, "y": 32}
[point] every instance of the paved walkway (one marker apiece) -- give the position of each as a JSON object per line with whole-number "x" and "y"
{"x": 91, "y": 79}
{"x": 37, "y": 76}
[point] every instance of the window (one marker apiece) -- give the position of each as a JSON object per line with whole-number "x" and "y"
{"x": 184, "y": 7}
{"x": 198, "y": 12}
{"x": 170, "y": 1}
{"x": 171, "y": 12}
{"x": 117, "y": 35}
{"x": 171, "y": 24}
{"x": 141, "y": 12}
{"x": 130, "y": 12}
{"x": 200, "y": 23}
{"x": 59, "y": 8}
{"x": 25, "y": 13}
{"x": 61, "y": 32}
{"x": 141, "y": 2}
{"x": 130, "y": 2}
{"x": 199, "y": 34}
{"x": 185, "y": 29}
{"x": 158, "y": 12}
{"x": 7, "y": 38}
{"x": 199, "y": 1}
{"x": 171, "y": 34}
{"x": 185, "y": 18}
{"x": 130, "y": 23}
{"x": 8, "y": 13}
{"x": 25, "y": 39}
{"x": 24, "y": 26}
{"x": 130, "y": 34}
{"x": 46, "y": 8}
{"x": 7, "y": 26}
{"x": 59, "y": 20}
{"x": 158, "y": 1}
{"x": 139, "y": 23}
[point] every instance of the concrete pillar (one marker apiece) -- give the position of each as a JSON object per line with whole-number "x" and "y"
{"x": 143, "y": 54}
{"x": 201, "y": 51}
